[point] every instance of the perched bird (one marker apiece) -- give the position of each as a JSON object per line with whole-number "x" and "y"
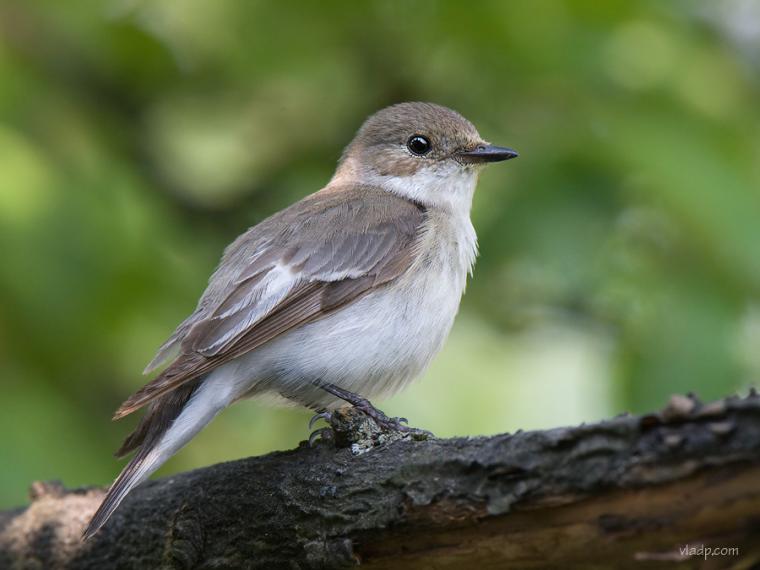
{"x": 343, "y": 296}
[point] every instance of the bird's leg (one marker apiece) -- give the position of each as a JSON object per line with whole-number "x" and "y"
{"x": 364, "y": 405}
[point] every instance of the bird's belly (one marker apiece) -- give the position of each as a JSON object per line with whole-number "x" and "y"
{"x": 372, "y": 347}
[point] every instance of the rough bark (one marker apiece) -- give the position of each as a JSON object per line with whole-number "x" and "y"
{"x": 632, "y": 491}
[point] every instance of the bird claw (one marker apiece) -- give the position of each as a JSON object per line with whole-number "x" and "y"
{"x": 320, "y": 434}
{"x": 323, "y": 415}
{"x": 386, "y": 423}
{"x": 397, "y": 425}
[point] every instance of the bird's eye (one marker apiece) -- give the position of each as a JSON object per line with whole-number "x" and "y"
{"x": 419, "y": 145}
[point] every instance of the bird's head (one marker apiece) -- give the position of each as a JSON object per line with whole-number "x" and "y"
{"x": 421, "y": 151}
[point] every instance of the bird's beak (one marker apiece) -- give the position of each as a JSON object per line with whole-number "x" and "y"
{"x": 487, "y": 153}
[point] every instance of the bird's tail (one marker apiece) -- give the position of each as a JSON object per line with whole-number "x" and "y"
{"x": 169, "y": 423}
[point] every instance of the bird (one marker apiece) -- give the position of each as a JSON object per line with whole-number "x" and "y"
{"x": 343, "y": 297}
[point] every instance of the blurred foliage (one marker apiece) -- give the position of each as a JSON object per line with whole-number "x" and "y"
{"x": 620, "y": 254}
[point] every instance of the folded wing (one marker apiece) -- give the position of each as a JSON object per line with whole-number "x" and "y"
{"x": 302, "y": 263}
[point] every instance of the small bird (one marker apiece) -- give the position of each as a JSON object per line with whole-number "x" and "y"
{"x": 344, "y": 296}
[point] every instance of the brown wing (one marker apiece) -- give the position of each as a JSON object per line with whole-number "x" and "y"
{"x": 295, "y": 267}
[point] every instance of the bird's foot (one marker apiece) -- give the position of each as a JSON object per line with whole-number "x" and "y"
{"x": 321, "y": 434}
{"x": 320, "y": 415}
{"x": 389, "y": 424}
{"x": 385, "y": 423}
{"x": 361, "y": 426}
{"x": 356, "y": 428}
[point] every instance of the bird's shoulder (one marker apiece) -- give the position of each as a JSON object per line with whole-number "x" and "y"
{"x": 345, "y": 240}
{"x": 332, "y": 212}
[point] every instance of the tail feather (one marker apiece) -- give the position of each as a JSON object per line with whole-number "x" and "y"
{"x": 161, "y": 413}
{"x": 181, "y": 372}
{"x": 167, "y": 426}
{"x": 138, "y": 469}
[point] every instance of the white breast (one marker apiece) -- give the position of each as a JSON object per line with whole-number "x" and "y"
{"x": 378, "y": 344}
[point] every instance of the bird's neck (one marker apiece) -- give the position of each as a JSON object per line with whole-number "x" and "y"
{"x": 448, "y": 188}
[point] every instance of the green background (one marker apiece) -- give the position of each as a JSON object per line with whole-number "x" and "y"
{"x": 620, "y": 254}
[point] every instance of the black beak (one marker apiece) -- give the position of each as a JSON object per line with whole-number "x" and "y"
{"x": 487, "y": 153}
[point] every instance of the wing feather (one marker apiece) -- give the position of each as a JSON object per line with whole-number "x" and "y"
{"x": 273, "y": 278}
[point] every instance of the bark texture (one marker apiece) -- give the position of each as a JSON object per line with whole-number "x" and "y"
{"x": 630, "y": 492}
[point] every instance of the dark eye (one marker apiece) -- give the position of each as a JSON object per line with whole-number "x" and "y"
{"x": 418, "y": 145}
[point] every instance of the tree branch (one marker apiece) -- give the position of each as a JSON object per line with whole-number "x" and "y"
{"x": 634, "y": 491}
